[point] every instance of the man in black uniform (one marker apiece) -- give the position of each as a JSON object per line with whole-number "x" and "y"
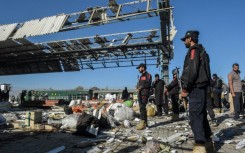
{"x": 143, "y": 87}
{"x": 195, "y": 80}
{"x": 217, "y": 90}
{"x": 158, "y": 86}
{"x": 173, "y": 92}
{"x": 209, "y": 106}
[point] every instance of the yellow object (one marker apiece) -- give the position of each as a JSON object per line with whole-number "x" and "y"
{"x": 198, "y": 148}
{"x": 141, "y": 125}
{"x": 151, "y": 110}
{"x": 136, "y": 108}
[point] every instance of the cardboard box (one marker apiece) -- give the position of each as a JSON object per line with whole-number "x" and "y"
{"x": 33, "y": 118}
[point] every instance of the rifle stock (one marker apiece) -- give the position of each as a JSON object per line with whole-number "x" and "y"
{"x": 184, "y": 99}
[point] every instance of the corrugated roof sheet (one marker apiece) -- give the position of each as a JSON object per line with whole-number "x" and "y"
{"x": 6, "y": 30}
{"x": 40, "y": 26}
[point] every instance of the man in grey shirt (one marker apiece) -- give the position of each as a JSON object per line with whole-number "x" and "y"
{"x": 235, "y": 85}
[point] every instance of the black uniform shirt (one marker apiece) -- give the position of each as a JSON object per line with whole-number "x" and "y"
{"x": 173, "y": 87}
{"x": 145, "y": 81}
{"x": 191, "y": 67}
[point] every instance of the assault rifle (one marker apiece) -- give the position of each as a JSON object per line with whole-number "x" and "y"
{"x": 184, "y": 99}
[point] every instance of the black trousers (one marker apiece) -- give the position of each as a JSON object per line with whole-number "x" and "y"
{"x": 210, "y": 107}
{"x": 238, "y": 104}
{"x": 165, "y": 105}
{"x": 217, "y": 99}
{"x": 198, "y": 115}
{"x": 159, "y": 110}
{"x": 143, "y": 100}
{"x": 175, "y": 103}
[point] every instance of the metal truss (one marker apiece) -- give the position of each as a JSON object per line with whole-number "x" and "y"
{"x": 113, "y": 13}
{"x": 153, "y": 46}
{"x": 105, "y": 51}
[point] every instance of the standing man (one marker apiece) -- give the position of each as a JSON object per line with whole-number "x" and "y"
{"x": 217, "y": 90}
{"x": 143, "y": 87}
{"x": 195, "y": 80}
{"x": 125, "y": 94}
{"x": 209, "y": 106}
{"x": 173, "y": 92}
{"x": 243, "y": 92}
{"x": 235, "y": 85}
{"x": 158, "y": 86}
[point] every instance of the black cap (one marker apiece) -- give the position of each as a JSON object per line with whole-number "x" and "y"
{"x": 215, "y": 75}
{"x": 235, "y": 64}
{"x": 193, "y": 34}
{"x": 174, "y": 71}
{"x": 157, "y": 75}
{"x": 141, "y": 65}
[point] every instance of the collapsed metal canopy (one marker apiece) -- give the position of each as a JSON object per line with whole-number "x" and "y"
{"x": 106, "y": 51}
{"x": 20, "y": 56}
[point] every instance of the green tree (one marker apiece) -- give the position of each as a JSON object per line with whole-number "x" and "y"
{"x": 79, "y": 88}
{"x": 94, "y": 88}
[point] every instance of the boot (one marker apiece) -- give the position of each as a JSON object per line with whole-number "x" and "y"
{"x": 210, "y": 146}
{"x": 199, "y": 148}
{"x": 141, "y": 125}
{"x": 175, "y": 117}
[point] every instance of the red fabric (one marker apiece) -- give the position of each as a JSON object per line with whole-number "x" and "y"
{"x": 193, "y": 53}
{"x": 143, "y": 78}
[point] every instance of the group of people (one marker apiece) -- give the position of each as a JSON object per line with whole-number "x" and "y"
{"x": 198, "y": 85}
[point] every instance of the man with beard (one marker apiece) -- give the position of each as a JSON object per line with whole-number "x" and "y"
{"x": 235, "y": 85}
{"x": 158, "y": 86}
{"x": 195, "y": 80}
{"x": 143, "y": 87}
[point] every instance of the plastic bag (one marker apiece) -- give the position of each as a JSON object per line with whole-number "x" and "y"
{"x": 70, "y": 121}
{"x": 115, "y": 106}
{"x": 128, "y": 103}
{"x": 124, "y": 113}
{"x": 240, "y": 144}
{"x": 79, "y": 102}
{"x": 152, "y": 146}
{"x": 72, "y": 103}
{"x": 126, "y": 123}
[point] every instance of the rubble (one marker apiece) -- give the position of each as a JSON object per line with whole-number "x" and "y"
{"x": 161, "y": 135}
{"x": 2, "y": 120}
{"x": 57, "y": 150}
{"x": 240, "y": 144}
{"x": 5, "y": 106}
{"x": 89, "y": 143}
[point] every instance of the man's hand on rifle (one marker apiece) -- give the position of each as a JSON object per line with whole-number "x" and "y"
{"x": 165, "y": 91}
{"x": 184, "y": 94}
{"x": 139, "y": 89}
